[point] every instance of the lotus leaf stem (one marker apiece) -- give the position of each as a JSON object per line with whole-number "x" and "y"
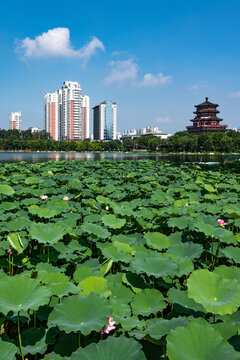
{"x": 19, "y": 338}
{"x": 79, "y": 339}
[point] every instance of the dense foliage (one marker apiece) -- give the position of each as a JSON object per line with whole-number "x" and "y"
{"x": 112, "y": 260}
{"x": 218, "y": 142}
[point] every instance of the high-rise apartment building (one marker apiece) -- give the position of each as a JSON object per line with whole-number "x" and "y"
{"x": 105, "y": 121}
{"x": 52, "y": 102}
{"x": 86, "y": 104}
{"x": 67, "y": 113}
{"x": 15, "y": 120}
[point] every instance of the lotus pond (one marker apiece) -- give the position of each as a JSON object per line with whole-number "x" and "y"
{"x": 113, "y": 260}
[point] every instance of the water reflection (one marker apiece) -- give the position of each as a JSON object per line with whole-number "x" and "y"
{"x": 57, "y": 156}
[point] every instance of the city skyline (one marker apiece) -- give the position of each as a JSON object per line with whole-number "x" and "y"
{"x": 155, "y": 65}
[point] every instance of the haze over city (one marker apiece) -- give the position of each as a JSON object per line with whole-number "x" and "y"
{"x": 155, "y": 60}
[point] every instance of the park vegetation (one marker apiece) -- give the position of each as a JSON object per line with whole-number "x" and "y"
{"x": 179, "y": 142}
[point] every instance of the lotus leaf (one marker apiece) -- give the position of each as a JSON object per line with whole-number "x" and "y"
{"x": 34, "y": 341}
{"x": 149, "y": 301}
{"x": 112, "y": 348}
{"x": 113, "y": 222}
{"x": 21, "y": 293}
{"x": 96, "y": 230}
{"x": 16, "y": 242}
{"x": 80, "y": 313}
{"x": 216, "y": 294}
{"x": 157, "y": 240}
{"x": 7, "y": 350}
{"x": 232, "y": 253}
{"x": 228, "y": 272}
{"x": 185, "y": 250}
{"x": 6, "y": 190}
{"x": 158, "y": 267}
{"x": 47, "y": 233}
{"x": 176, "y": 296}
{"x": 42, "y": 212}
{"x": 96, "y": 285}
{"x": 198, "y": 340}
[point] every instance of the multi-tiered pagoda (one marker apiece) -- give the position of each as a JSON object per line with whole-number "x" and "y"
{"x": 206, "y": 120}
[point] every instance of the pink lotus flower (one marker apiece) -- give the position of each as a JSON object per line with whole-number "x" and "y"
{"x": 110, "y": 327}
{"x": 43, "y": 197}
{"x": 66, "y": 198}
{"x": 221, "y": 223}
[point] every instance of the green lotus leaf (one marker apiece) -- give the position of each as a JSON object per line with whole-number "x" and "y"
{"x": 132, "y": 322}
{"x": 232, "y": 211}
{"x": 198, "y": 340}
{"x": 34, "y": 341}
{"x": 112, "y": 348}
{"x": 84, "y": 271}
{"x": 113, "y": 222}
{"x": 19, "y": 292}
{"x": 42, "y": 212}
{"x": 209, "y": 188}
{"x": 33, "y": 180}
{"x": 96, "y": 285}
{"x": 216, "y": 294}
{"x": 6, "y": 190}
{"x": 159, "y": 327}
{"x": 158, "y": 267}
{"x": 180, "y": 222}
{"x": 18, "y": 224}
{"x": 136, "y": 282}
{"x": 7, "y": 350}
{"x": 149, "y": 301}
{"x": 119, "y": 292}
{"x": 207, "y": 229}
{"x": 112, "y": 252}
{"x": 228, "y": 272}
{"x": 232, "y": 253}
{"x": 96, "y": 230}
{"x": 16, "y": 242}
{"x": 80, "y": 313}
{"x": 119, "y": 310}
{"x": 62, "y": 289}
{"x": 47, "y": 233}
{"x": 187, "y": 250}
{"x": 54, "y": 356}
{"x": 126, "y": 248}
{"x": 157, "y": 240}
{"x": 176, "y": 296}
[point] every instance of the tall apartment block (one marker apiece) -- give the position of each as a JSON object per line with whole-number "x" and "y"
{"x": 15, "y": 120}
{"x": 71, "y": 119}
{"x": 52, "y": 102}
{"x": 105, "y": 121}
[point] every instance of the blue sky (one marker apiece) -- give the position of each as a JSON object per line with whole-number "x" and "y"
{"x": 156, "y": 59}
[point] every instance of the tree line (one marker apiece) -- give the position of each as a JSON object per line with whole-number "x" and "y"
{"x": 179, "y": 142}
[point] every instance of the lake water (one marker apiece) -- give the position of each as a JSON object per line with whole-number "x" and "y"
{"x": 34, "y": 157}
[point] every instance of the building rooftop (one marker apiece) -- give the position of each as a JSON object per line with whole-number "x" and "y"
{"x": 207, "y": 103}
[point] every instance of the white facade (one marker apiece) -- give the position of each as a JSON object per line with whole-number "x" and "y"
{"x": 67, "y": 113}
{"x": 34, "y": 129}
{"x": 15, "y": 119}
{"x": 52, "y": 109}
{"x": 105, "y": 121}
{"x": 86, "y": 113}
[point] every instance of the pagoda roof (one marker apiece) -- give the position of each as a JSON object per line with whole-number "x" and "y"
{"x": 214, "y": 118}
{"x": 207, "y": 103}
{"x": 206, "y": 111}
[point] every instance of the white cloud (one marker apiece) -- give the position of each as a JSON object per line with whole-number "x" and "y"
{"x": 198, "y": 86}
{"x": 154, "y": 80}
{"x": 122, "y": 71}
{"x": 235, "y": 95}
{"x": 56, "y": 43}
{"x": 163, "y": 120}
{"x": 127, "y": 70}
